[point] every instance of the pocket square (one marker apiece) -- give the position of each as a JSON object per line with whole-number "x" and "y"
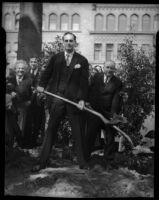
{"x": 77, "y": 66}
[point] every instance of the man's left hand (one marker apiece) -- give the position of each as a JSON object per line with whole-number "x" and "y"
{"x": 81, "y": 105}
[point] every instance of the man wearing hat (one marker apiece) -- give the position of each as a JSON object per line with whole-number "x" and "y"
{"x": 104, "y": 97}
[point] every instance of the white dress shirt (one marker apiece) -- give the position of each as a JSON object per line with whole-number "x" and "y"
{"x": 19, "y": 79}
{"x": 106, "y": 79}
{"x": 70, "y": 55}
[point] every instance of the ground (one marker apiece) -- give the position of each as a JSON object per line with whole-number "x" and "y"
{"x": 63, "y": 178}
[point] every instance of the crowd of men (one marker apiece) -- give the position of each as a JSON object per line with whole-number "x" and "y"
{"x": 69, "y": 75}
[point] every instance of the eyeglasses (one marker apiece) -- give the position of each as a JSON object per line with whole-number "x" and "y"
{"x": 68, "y": 40}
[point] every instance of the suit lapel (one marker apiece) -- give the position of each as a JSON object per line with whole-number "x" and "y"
{"x": 61, "y": 64}
{"x": 102, "y": 79}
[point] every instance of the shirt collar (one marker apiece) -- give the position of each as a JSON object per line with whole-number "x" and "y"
{"x": 34, "y": 71}
{"x": 108, "y": 78}
{"x": 19, "y": 78}
{"x": 70, "y": 54}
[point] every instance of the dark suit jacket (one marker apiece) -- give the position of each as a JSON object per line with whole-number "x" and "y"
{"x": 23, "y": 90}
{"x": 77, "y": 80}
{"x": 104, "y": 97}
{"x": 35, "y": 77}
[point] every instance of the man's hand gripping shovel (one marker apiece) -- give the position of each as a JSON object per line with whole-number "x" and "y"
{"x": 116, "y": 118}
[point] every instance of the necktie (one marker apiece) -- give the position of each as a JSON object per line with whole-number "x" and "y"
{"x": 19, "y": 81}
{"x": 67, "y": 60}
{"x": 106, "y": 79}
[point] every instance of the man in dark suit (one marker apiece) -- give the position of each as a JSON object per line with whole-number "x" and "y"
{"x": 104, "y": 97}
{"x": 66, "y": 75}
{"x": 19, "y": 86}
{"x": 36, "y": 111}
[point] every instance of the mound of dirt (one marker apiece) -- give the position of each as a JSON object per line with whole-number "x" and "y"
{"x": 63, "y": 178}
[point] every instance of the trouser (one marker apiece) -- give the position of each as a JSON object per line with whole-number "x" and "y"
{"x": 58, "y": 111}
{"x": 25, "y": 125}
{"x": 12, "y": 129}
{"x": 94, "y": 127}
{"x": 37, "y": 120}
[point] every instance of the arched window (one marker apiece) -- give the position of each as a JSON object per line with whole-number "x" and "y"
{"x": 52, "y": 21}
{"x": 156, "y": 22}
{"x": 134, "y": 22}
{"x": 146, "y": 23}
{"x": 7, "y": 21}
{"x": 122, "y": 23}
{"x": 17, "y": 18}
{"x": 110, "y": 22}
{"x": 64, "y": 22}
{"x": 99, "y": 22}
{"x": 75, "y": 22}
{"x": 43, "y": 22}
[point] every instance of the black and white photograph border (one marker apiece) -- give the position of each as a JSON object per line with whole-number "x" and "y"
{"x": 119, "y": 33}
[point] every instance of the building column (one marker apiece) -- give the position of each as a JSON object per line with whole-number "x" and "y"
{"x": 140, "y": 23}
{"x": 58, "y": 22}
{"x": 47, "y": 21}
{"x": 152, "y": 23}
{"x": 116, "y": 22}
{"x": 128, "y": 23}
{"x": 104, "y": 23}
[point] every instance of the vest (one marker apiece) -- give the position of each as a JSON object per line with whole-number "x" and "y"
{"x": 63, "y": 79}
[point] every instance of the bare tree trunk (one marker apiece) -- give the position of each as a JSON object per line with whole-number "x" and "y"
{"x": 30, "y": 30}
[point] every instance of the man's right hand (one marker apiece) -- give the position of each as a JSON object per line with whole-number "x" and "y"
{"x": 40, "y": 93}
{"x": 40, "y": 89}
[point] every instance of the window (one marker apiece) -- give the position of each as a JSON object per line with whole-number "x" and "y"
{"x": 97, "y": 51}
{"x": 99, "y": 22}
{"x": 64, "y": 22}
{"x": 109, "y": 52}
{"x": 119, "y": 50}
{"x": 44, "y": 22}
{"x": 156, "y": 22}
{"x": 122, "y": 25}
{"x": 8, "y": 22}
{"x": 52, "y": 22}
{"x": 146, "y": 23}
{"x": 110, "y": 22}
{"x": 17, "y": 18}
{"x": 146, "y": 47}
{"x": 134, "y": 22}
{"x": 75, "y": 22}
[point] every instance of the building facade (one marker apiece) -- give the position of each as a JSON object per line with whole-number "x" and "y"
{"x": 100, "y": 28}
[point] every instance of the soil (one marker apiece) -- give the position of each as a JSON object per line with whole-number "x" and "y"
{"x": 63, "y": 178}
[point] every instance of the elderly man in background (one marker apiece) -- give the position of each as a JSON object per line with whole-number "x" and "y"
{"x": 104, "y": 97}
{"x": 19, "y": 86}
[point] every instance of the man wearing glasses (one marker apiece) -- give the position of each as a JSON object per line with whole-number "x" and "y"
{"x": 67, "y": 76}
